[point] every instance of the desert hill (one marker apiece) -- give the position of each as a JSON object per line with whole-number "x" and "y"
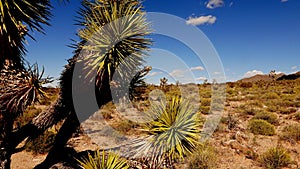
{"x": 267, "y": 78}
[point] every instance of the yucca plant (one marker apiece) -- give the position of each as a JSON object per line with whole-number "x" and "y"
{"x": 103, "y": 160}
{"x": 174, "y": 131}
{"x": 18, "y": 90}
{"x": 114, "y": 32}
{"x": 16, "y": 17}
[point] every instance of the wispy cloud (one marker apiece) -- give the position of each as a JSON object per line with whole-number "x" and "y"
{"x": 201, "y": 78}
{"x": 294, "y": 67}
{"x": 200, "y": 68}
{"x": 178, "y": 73}
{"x": 284, "y": 0}
{"x": 154, "y": 73}
{"x": 253, "y": 73}
{"x": 211, "y": 4}
{"x": 201, "y": 20}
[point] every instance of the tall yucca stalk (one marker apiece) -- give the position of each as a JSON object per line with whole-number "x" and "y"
{"x": 174, "y": 131}
{"x": 16, "y": 17}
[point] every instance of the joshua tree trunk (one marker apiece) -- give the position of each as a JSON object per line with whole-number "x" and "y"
{"x": 5, "y": 148}
{"x": 62, "y": 109}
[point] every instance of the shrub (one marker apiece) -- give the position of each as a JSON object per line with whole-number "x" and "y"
{"x": 205, "y": 109}
{"x": 41, "y": 144}
{"x": 29, "y": 113}
{"x": 231, "y": 121}
{"x": 247, "y": 109}
{"x": 275, "y": 158}
{"x": 291, "y": 133}
{"x": 205, "y": 102}
{"x": 231, "y": 91}
{"x": 297, "y": 116}
{"x": 267, "y": 116}
{"x": 203, "y": 158}
{"x": 289, "y": 110}
{"x": 271, "y": 95}
{"x": 246, "y": 84}
{"x": 206, "y": 94}
{"x": 103, "y": 160}
{"x": 125, "y": 126}
{"x": 258, "y": 126}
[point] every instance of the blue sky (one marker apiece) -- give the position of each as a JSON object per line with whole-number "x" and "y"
{"x": 250, "y": 36}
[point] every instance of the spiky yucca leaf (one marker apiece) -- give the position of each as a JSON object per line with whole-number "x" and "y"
{"x": 16, "y": 17}
{"x": 102, "y": 160}
{"x": 19, "y": 90}
{"x": 174, "y": 130}
{"x": 115, "y": 33}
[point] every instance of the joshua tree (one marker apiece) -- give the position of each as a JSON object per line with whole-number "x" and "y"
{"x": 18, "y": 89}
{"x": 16, "y": 17}
{"x": 20, "y": 86}
{"x": 272, "y": 75}
{"x": 137, "y": 82}
{"x": 124, "y": 43}
{"x": 163, "y": 82}
{"x": 177, "y": 83}
{"x": 118, "y": 38}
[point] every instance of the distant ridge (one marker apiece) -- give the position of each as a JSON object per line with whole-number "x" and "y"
{"x": 267, "y": 78}
{"x": 290, "y": 76}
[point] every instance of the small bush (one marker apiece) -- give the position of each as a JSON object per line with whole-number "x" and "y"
{"x": 125, "y": 126}
{"x": 245, "y": 84}
{"x": 41, "y": 144}
{"x": 205, "y": 102}
{"x": 247, "y": 109}
{"x": 291, "y": 133}
{"x": 267, "y": 116}
{"x": 273, "y": 108}
{"x": 203, "y": 158}
{"x": 206, "y": 94}
{"x": 297, "y": 116}
{"x": 275, "y": 158}
{"x": 284, "y": 110}
{"x": 29, "y": 113}
{"x": 231, "y": 121}
{"x": 205, "y": 109}
{"x": 258, "y": 126}
{"x": 231, "y": 91}
{"x": 271, "y": 95}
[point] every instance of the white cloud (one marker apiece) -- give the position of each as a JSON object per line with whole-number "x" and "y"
{"x": 154, "y": 73}
{"x": 177, "y": 73}
{"x": 201, "y": 20}
{"x": 217, "y": 73}
{"x": 253, "y": 73}
{"x": 200, "y": 68}
{"x": 284, "y": 0}
{"x": 211, "y": 4}
{"x": 231, "y": 4}
{"x": 201, "y": 78}
{"x": 294, "y": 67}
